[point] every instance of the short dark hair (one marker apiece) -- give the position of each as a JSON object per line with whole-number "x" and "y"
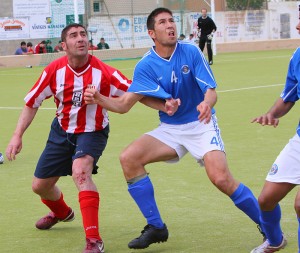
{"x": 153, "y": 14}
{"x": 23, "y": 43}
{"x": 67, "y": 28}
{"x": 29, "y": 44}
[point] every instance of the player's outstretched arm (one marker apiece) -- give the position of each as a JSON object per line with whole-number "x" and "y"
{"x": 168, "y": 106}
{"x": 15, "y": 145}
{"x": 120, "y": 104}
{"x": 278, "y": 110}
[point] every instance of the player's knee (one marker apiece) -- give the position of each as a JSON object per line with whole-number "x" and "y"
{"x": 265, "y": 203}
{"x": 132, "y": 165}
{"x": 38, "y": 187}
{"x": 80, "y": 176}
{"x": 35, "y": 188}
{"x": 126, "y": 159}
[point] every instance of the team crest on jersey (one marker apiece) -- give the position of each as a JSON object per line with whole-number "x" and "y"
{"x": 273, "y": 170}
{"x": 77, "y": 98}
{"x": 185, "y": 69}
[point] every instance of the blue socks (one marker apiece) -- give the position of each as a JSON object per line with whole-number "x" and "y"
{"x": 143, "y": 194}
{"x": 270, "y": 221}
{"x": 244, "y": 199}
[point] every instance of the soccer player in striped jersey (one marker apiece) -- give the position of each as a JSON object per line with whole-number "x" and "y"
{"x": 284, "y": 174}
{"x": 78, "y": 134}
{"x": 174, "y": 70}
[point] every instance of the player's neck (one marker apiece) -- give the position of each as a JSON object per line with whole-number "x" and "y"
{"x": 164, "y": 51}
{"x": 78, "y": 62}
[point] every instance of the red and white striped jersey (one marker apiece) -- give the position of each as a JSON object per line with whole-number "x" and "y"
{"x": 68, "y": 86}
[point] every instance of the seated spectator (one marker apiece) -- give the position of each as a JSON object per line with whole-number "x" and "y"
{"x": 91, "y": 46}
{"x": 40, "y": 48}
{"x": 58, "y": 47}
{"x": 49, "y": 48}
{"x": 102, "y": 44}
{"x": 29, "y": 48}
{"x": 190, "y": 38}
{"x": 22, "y": 49}
{"x": 181, "y": 37}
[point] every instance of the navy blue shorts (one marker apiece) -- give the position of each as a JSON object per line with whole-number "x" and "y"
{"x": 63, "y": 148}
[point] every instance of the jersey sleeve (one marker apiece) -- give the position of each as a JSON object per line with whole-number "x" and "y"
{"x": 119, "y": 83}
{"x": 145, "y": 83}
{"x": 41, "y": 90}
{"x": 203, "y": 74}
{"x": 290, "y": 91}
{"x": 213, "y": 25}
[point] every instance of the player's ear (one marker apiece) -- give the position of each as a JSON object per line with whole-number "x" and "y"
{"x": 64, "y": 45}
{"x": 151, "y": 33}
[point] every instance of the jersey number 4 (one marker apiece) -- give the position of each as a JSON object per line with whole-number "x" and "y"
{"x": 214, "y": 141}
{"x": 174, "y": 78}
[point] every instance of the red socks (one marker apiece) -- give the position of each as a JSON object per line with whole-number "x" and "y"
{"x": 58, "y": 207}
{"x": 89, "y": 206}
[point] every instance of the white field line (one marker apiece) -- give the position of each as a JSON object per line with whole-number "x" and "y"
{"x": 250, "y": 88}
{"x": 219, "y": 91}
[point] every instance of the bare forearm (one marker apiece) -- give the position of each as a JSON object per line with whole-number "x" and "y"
{"x": 280, "y": 108}
{"x": 271, "y": 118}
{"x": 210, "y": 97}
{"x": 15, "y": 145}
{"x": 25, "y": 119}
{"x": 112, "y": 104}
{"x": 120, "y": 104}
{"x": 154, "y": 103}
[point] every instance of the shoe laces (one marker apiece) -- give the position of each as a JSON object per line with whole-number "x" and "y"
{"x": 51, "y": 216}
{"x": 90, "y": 245}
{"x": 146, "y": 228}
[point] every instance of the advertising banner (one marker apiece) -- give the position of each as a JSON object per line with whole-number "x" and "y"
{"x": 14, "y": 28}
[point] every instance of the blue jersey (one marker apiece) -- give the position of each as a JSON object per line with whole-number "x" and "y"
{"x": 291, "y": 91}
{"x": 185, "y": 75}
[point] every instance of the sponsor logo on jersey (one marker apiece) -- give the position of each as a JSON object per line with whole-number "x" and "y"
{"x": 77, "y": 99}
{"x": 273, "y": 170}
{"x": 185, "y": 69}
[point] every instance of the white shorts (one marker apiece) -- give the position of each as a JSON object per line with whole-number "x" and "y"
{"x": 195, "y": 137}
{"x": 286, "y": 167}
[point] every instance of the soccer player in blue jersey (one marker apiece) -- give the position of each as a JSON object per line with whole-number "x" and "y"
{"x": 174, "y": 71}
{"x": 284, "y": 174}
